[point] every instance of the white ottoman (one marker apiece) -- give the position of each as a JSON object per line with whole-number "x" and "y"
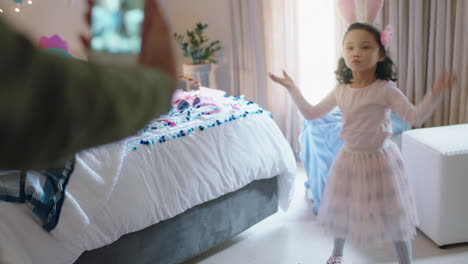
{"x": 436, "y": 161}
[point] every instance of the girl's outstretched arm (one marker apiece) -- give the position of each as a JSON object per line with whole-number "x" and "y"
{"x": 308, "y": 111}
{"x": 416, "y": 115}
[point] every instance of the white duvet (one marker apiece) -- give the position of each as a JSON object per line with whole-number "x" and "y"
{"x": 113, "y": 192}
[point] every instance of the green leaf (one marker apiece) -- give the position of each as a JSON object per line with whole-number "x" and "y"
{"x": 196, "y": 47}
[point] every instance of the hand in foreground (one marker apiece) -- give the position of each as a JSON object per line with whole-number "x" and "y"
{"x": 85, "y": 40}
{"x": 156, "y": 48}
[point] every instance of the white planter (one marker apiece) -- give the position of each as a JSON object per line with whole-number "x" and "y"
{"x": 198, "y": 72}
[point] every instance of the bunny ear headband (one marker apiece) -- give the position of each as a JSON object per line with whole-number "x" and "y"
{"x": 371, "y": 9}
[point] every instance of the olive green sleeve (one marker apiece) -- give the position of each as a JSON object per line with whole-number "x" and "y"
{"x": 52, "y": 106}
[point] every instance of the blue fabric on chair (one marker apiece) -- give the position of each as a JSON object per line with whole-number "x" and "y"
{"x": 398, "y": 125}
{"x": 320, "y": 142}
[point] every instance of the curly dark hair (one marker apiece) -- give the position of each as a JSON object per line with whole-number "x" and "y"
{"x": 386, "y": 69}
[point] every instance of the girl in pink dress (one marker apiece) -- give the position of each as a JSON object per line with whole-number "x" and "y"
{"x": 367, "y": 198}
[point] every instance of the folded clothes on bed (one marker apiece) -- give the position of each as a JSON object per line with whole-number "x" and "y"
{"x": 194, "y": 111}
{"x": 43, "y": 190}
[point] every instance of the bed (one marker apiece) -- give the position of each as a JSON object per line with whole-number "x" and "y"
{"x": 320, "y": 141}
{"x": 184, "y": 184}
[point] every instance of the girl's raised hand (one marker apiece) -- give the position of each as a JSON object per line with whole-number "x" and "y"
{"x": 445, "y": 82}
{"x": 286, "y": 81}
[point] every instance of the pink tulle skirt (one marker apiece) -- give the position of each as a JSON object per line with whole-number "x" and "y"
{"x": 367, "y": 199}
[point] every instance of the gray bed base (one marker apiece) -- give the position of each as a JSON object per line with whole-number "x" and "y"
{"x": 193, "y": 232}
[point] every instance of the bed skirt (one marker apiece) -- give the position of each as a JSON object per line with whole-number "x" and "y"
{"x": 193, "y": 232}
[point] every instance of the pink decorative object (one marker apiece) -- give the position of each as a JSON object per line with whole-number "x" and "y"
{"x": 373, "y": 7}
{"x": 386, "y": 36}
{"x": 53, "y": 42}
{"x": 348, "y": 10}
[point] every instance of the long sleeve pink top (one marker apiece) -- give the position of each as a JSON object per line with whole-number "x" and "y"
{"x": 366, "y": 111}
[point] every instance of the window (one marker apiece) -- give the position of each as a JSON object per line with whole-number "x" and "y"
{"x": 316, "y": 48}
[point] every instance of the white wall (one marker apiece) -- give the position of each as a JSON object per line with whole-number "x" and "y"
{"x": 65, "y": 17}
{"x": 49, "y": 17}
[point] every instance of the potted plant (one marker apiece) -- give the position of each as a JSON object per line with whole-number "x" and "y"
{"x": 200, "y": 53}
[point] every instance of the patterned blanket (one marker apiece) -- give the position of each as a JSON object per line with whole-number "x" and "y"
{"x": 192, "y": 112}
{"x": 43, "y": 190}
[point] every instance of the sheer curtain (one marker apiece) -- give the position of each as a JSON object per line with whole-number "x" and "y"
{"x": 431, "y": 36}
{"x": 264, "y": 39}
{"x": 317, "y": 42}
{"x": 280, "y": 34}
{"x": 247, "y": 58}
{"x": 268, "y": 36}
